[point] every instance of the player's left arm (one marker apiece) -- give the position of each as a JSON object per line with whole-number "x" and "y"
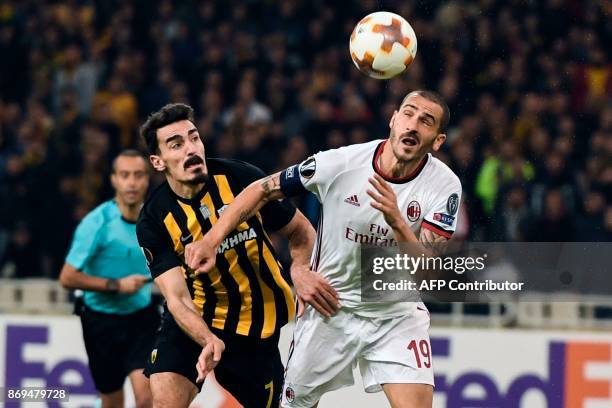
{"x": 434, "y": 242}
{"x": 310, "y": 286}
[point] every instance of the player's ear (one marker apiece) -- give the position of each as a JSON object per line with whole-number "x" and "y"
{"x": 157, "y": 162}
{"x": 392, "y": 119}
{"x": 439, "y": 141}
{"x": 113, "y": 179}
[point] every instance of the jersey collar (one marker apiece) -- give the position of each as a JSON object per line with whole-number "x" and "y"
{"x": 121, "y": 215}
{"x": 195, "y": 199}
{"x": 396, "y": 180}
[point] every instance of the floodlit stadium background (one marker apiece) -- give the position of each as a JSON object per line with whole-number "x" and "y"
{"x": 529, "y": 84}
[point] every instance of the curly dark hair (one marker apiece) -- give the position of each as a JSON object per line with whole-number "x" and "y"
{"x": 172, "y": 112}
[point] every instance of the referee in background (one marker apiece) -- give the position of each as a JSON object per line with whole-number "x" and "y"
{"x": 117, "y": 316}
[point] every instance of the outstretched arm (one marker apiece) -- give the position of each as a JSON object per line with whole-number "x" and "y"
{"x": 200, "y": 257}
{"x": 180, "y": 305}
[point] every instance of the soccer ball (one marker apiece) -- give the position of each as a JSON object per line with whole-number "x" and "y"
{"x": 382, "y": 45}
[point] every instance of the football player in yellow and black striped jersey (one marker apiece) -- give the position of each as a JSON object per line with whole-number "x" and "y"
{"x": 230, "y": 318}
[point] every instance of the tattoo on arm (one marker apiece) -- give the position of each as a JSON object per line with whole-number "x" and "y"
{"x": 244, "y": 216}
{"x": 435, "y": 243}
{"x": 271, "y": 187}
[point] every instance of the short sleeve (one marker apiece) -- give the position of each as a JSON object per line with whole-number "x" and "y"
{"x": 442, "y": 217}
{"x": 316, "y": 173}
{"x": 85, "y": 240}
{"x": 276, "y": 214}
{"x": 156, "y": 246}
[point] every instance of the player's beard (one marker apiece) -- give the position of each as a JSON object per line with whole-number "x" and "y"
{"x": 198, "y": 179}
{"x": 396, "y": 146}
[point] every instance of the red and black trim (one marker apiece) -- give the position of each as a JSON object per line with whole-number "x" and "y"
{"x": 396, "y": 180}
{"x": 317, "y": 250}
{"x": 423, "y": 309}
{"x": 437, "y": 229}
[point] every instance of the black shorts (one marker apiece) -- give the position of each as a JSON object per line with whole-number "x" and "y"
{"x": 250, "y": 369}
{"x": 117, "y": 344}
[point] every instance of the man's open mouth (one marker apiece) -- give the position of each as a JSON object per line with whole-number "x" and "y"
{"x": 410, "y": 140}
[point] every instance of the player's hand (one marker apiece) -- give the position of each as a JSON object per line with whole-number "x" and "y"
{"x": 200, "y": 256}
{"x": 385, "y": 200}
{"x": 209, "y": 357}
{"x": 131, "y": 284}
{"x": 315, "y": 290}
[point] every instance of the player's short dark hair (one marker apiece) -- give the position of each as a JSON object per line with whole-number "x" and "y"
{"x": 438, "y": 100}
{"x": 172, "y": 112}
{"x": 129, "y": 153}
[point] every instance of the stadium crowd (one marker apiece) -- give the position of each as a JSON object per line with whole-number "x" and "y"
{"x": 529, "y": 84}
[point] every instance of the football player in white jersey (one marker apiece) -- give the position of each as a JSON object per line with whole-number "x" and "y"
{"x": 380, "y": 193}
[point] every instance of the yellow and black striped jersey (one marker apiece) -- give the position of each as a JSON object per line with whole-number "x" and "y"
{"x": 246, "y": 292}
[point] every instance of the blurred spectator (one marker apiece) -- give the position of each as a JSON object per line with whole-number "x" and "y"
{"x": 555, "y": 224}
{"x": 592, "y": 83}
{"x": 246, "y": 107}
{"x": 21, "y": 257}
{"x": 591, "y": 227}
{"x": 512, "y": 213}
{"x": 80, "y": 76}
{"x": 122, "y": 107}
{"x": 500, "y": 168}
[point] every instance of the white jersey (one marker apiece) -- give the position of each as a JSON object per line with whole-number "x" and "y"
{"x": 429, "y": 198}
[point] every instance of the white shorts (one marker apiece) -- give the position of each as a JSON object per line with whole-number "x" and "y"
{"x": 325, "y": 351}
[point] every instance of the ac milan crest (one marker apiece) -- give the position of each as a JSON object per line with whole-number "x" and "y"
{"x": 413, "y": 211}
{"x": 290, "y": 394}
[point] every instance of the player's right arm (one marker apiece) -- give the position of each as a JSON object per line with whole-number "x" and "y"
{"x": 314, "y": 174}
{"x": 180, "y": 305}
{"x": 165, "y": 267}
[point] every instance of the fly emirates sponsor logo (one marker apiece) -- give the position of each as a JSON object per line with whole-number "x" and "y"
{"x": 377, "y": 236}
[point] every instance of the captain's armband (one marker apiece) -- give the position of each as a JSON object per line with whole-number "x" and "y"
{"x": 290, "y": 183}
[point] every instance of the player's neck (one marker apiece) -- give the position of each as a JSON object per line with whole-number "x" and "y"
{"x": 184, "y": 190}
{"x": 392, "y": 167}
{"x": 129, "y": 212}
